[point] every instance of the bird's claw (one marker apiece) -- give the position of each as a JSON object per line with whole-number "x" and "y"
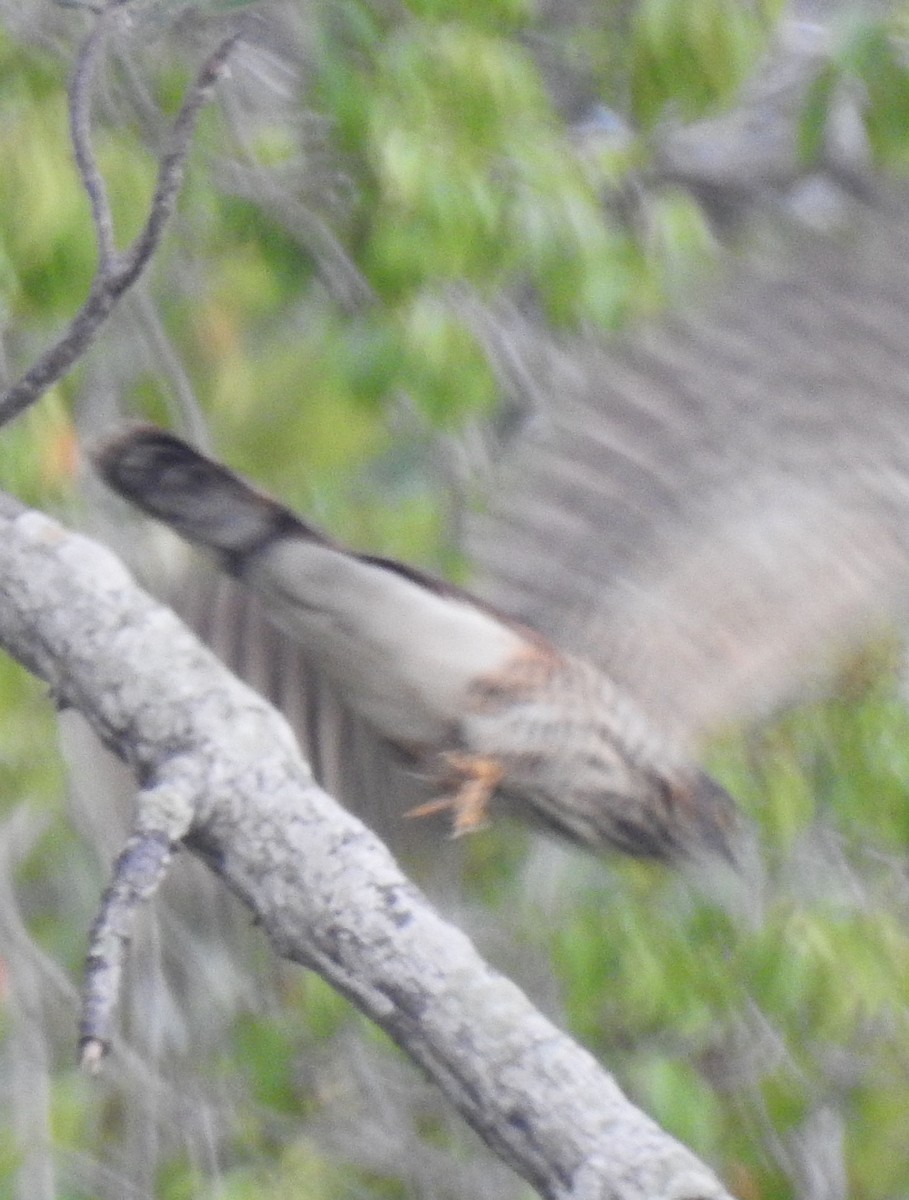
{"x": 480, "y": 776}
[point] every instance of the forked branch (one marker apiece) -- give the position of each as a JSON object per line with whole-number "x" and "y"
{"x": 116, "y": 271}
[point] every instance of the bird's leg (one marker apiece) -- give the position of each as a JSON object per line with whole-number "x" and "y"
{"x": 478, "y": 776}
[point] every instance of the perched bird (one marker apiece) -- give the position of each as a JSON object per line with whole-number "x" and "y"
{"x": 486, "y": 705}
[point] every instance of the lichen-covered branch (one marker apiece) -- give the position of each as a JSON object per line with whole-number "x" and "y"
{"x": 327, "y": 892}
{"x": 139, "y": 870}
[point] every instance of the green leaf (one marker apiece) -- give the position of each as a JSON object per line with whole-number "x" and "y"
{"x": 812, "y": 123}
{"x": 691, "y": 56}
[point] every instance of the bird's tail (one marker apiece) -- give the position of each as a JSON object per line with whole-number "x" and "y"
{"x": 200, "y": 499}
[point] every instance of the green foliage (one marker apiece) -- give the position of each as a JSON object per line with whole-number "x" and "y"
{"x": 871, "y": 57}
{"x": 434, "y": 340}
{"x": 817, "y": 968}
{"x": 869, "y": 61}
{"x": 467, "y": 174}
{"x": 46, "y": 251}
{"x": 512, "y": 203}
{"x": 298, "y": 1168}
{"x": 688, "y": 58}
{"x": 27, "y": 771}
{"x": 37, "y": 454}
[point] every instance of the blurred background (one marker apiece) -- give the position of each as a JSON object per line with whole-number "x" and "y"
{"x": 390, "y": 209}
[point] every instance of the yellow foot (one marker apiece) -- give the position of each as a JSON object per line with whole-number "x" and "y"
{"x": 480, "y": 777}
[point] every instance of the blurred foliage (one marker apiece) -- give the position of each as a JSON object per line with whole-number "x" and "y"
{"x": 691, "y": 58}
{"x": 437, "y": 158}
{"x": 870, "y": 62}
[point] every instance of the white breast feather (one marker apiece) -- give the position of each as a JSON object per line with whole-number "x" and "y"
{"x": 405, "y": 654}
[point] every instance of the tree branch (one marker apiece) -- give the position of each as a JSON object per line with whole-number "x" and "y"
{"x": 80, "y": 135}
{"x": 116, "y": 272}
{"x": 325, "y": 890}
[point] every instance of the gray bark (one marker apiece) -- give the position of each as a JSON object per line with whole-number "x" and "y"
{"x": 220, "y": 770}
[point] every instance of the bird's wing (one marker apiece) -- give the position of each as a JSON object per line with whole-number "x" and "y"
{"x": 713, "y": 504}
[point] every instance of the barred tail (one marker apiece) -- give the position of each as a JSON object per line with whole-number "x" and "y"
{"x": 200, "y": 499}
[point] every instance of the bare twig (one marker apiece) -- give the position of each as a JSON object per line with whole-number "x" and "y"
{"x": 80, "y": 134}
{"x": 170, "y": 173}
{"x": 324, "y": 889}
{"x": 116, "y": 271}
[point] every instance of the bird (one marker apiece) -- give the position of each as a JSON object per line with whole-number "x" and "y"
{"x": 690, "y": 524}
{"x": 488, "y": 707}
{"x": 697, "y": 521}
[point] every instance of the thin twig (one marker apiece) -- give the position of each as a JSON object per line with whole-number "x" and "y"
{"x": 116, "y": 272}
{"x": 80, "y": 134}
{"x": 173, "y": 162}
